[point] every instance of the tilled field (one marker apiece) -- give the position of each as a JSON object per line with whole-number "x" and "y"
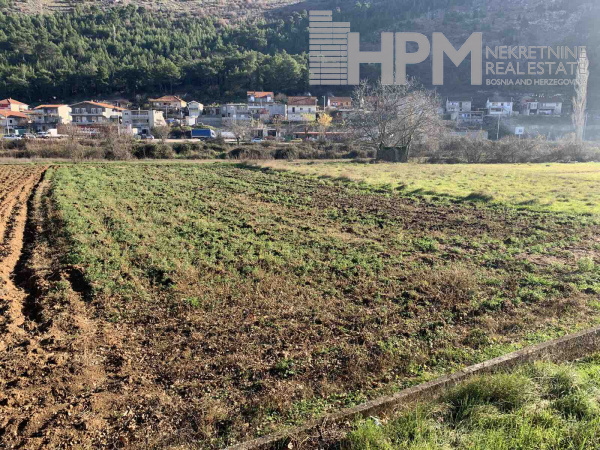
{"x": 16, "y": 186}
{"x": 202, "y": 305}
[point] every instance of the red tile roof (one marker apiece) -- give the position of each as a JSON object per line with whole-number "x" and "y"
{"x": 102, "y": 105}
{"x": 9, "y": 101}
{"x": 259, "y": 94}
{"x": 48, "y": 106}
{"x": 302, "y": 101}
{"x": 167, "y": 98}
{"x": 9, "y": 113}
{"x": 341, "y": 99}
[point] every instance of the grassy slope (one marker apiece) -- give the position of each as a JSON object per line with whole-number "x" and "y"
{"x": 288, "y": 296}
{"x": 537, "y": 406}
{"x": 573, "y": 188}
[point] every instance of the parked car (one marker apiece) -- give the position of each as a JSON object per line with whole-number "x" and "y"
{"x": 43, "y": 135}
{"x": 147, "y": 136}
{"x": 29, "y": 136}
{"x": 12, "y": 137}
{"x": 257, "y": 140}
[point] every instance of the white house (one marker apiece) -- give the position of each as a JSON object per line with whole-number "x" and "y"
{"x": 195, "y": 109}
{"x": 142, "y": 121}
{"x": 499, "y": 108}
{"x": 542, "y": 108}
{"x": 468, "y": 117}
{"x": 457, "y": 106}
{"x": 170, "y": 103}
{"x": 256, "y": 98}
{"x": 302, "y": 109}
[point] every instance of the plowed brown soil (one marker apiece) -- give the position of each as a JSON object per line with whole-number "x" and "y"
{"x": 16, "y": 186}
{"x": 64, "y": 382}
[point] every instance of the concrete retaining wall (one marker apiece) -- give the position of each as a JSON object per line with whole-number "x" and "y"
{"x": 567, "y": 348}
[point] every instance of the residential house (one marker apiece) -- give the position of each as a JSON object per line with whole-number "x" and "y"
{"x": 140, "y": 121}
{"x": 339, "y": 102}
{"x": 90, "y": 113}
{"x": 195, "y": 109}
{"x": 265, "y": 132}
{"x": 213, "y": 111}
{"x": 274, "y": 112}
{"x": 256, "y": 98}
{"x": 457, "y": 106}
{"x": 211, "y": 116}
{"x": 235, "y": 111}
{"x": 168, "y": 103}
{"x": 302, "y": 109}
{"x": 120, "y": 102}
{"x": 46, "y": 117}
{"x": 263, "y": 107}
{"x": 499, "y": 108}
{"x": 13, "y": 105}
{"x": 542, "y": 107}
{"x": 12, "y": 122}
{"x": 469, "y": 117}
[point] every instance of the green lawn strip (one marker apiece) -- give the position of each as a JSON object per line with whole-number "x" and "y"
{"x": 544, "y": 187}
{"x": 541, "y": 405}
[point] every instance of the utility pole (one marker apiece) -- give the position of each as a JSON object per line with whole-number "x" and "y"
{"x": 498, "y": 132}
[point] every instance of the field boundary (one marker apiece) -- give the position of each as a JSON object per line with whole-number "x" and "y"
{"x": 567, "y": 348}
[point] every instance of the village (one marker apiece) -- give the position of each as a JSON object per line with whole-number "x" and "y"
{"x": 263, "y": 116}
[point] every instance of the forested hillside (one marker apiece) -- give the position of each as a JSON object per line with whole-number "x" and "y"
{"x": 95, "y": 52}
{"x": 230, "y": 9}
{"x": 98, "y": 51}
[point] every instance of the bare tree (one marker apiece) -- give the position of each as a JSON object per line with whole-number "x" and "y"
{"x": 580, "y": 99}
{"x": 73, "y": 148}
{"x": 117, "y": 144}
{"x": 241, "y": 129}
{"x": 392, "y": 118}
{"x": 308, "y": 121}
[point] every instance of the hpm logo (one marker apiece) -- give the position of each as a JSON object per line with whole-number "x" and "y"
{"x": 335, "y": 55}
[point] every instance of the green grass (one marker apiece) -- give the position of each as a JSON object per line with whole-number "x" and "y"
{"x": 555, "y": 187}
{"x": 538, "y": 406}
{"x": 256, "y": 299}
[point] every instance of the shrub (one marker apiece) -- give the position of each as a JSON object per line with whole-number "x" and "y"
{"x": 289, "y": 152}
{"x": 164, "y": 151}
{"x": 506, "y": 392}
{"x": 249, "y": 153}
